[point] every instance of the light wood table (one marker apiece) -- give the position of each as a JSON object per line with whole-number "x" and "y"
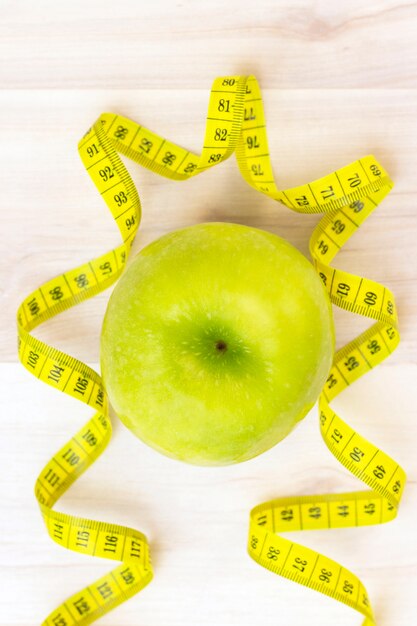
{"x": 339, "y": 81}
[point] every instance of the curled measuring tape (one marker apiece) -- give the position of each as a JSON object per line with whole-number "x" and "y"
{"x": 235, "y": 123}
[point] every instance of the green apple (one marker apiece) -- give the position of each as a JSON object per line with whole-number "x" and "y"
{"x": 216, "y": 341}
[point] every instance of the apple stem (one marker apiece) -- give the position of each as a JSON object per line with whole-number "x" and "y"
{"x": 221, "y": 345}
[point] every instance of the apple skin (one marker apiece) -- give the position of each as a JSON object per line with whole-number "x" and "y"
{"x": 216, "y": 341}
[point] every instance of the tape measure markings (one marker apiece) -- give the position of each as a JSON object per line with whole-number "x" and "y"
{"x": 235, "y": 123}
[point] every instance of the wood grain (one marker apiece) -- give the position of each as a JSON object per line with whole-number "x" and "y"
{"x": 196, "y": 518}
{"x": 177, "y": 45}
{"x": 339, "y": 81}
{"x": 56, "y": 219}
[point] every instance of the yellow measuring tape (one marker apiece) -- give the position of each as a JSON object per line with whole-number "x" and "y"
{"x": 235, "y": 123}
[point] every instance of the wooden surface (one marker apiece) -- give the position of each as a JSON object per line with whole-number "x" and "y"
{"x": 339, "y": 81}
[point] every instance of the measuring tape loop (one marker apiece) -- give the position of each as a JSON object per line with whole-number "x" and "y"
{"x": 235, "y": 124}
